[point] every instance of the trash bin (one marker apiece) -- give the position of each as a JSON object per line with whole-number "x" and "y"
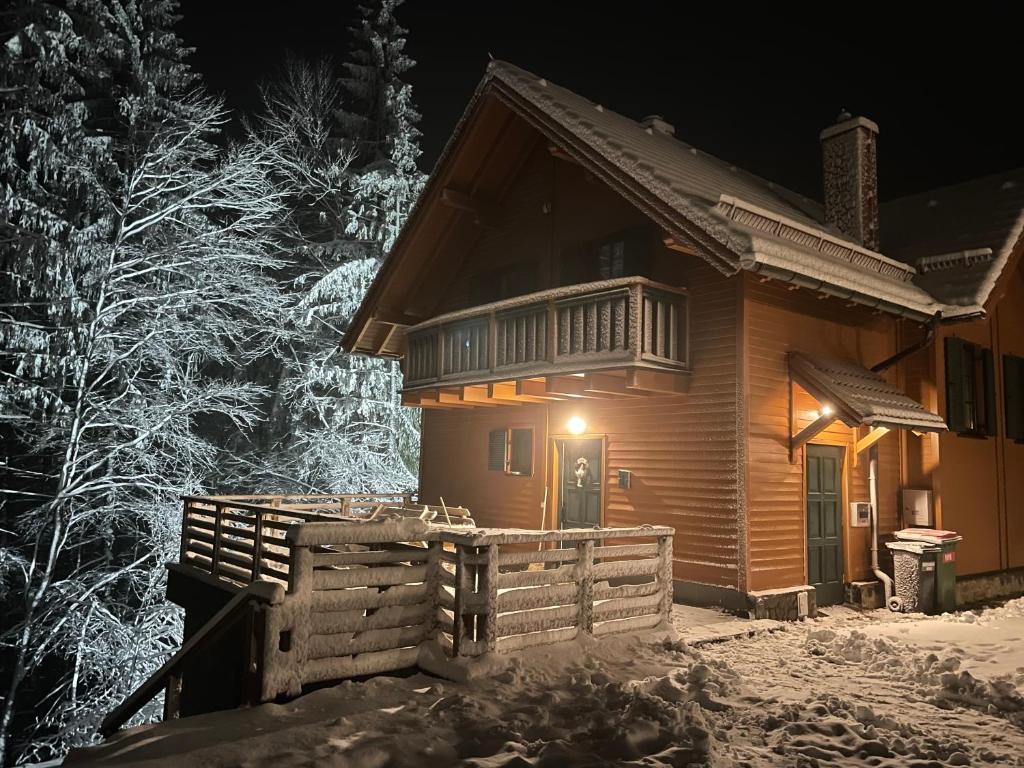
{"x": 935, "y": 569}
{"x": 913, "y": 565}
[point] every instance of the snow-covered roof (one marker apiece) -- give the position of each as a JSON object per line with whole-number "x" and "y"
{"x": 860, "y": 396}
{"x": 737, "y": 221}
{"x": 960, "y": 238}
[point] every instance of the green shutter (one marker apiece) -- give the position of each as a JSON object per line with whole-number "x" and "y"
{"x": 1013, "y": 391}
{"x": 955, "y": 418}
{"x": 988, "y": 373}
{"x": 521, "y": 451}
{"x": 496, "y": 450}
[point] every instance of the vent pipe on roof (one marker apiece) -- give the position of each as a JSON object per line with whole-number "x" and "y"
{"x": 659, "y": 124}
{"x": 850, "y": 176}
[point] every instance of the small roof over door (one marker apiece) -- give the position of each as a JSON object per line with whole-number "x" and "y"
{"x": 860, "y": 396}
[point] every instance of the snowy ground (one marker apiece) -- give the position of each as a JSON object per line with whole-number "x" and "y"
{"x": 850, "y": 689}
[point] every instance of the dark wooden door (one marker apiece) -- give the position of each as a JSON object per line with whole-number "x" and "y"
{"x": 825, "y": 523}
{"x": 579, "y": 462}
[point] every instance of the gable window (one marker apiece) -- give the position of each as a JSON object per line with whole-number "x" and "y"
{"x": 622, "y": 254}
{"x": 970, "y": 389}
{"x": 511, "y": 450}
{"x": 1013, "y": 396}
{"x": 504, "y": 283}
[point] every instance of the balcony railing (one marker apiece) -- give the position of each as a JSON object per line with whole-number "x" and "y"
{"x": 607, "y": 324}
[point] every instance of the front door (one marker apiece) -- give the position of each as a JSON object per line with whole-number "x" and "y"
{"x": 825, "y": 523}
{"x": 579, "y": 487}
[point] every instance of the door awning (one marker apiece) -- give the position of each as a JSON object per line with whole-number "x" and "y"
{"x": 859, "y": 396}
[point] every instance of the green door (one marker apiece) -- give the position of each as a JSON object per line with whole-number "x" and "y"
{"x": 580, "y": 483}
{"x": 825, "y": 523}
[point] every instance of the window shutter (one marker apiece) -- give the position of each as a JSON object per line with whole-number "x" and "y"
{"x": 955, "y": 385}
{"x": 1013, "y": 390}
{"x": 496, "y": 450}
{"x": 989, "y": 376}
{"x": 521, "y": 452}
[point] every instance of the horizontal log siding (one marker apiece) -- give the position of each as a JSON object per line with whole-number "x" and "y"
{"x": 778, "y": 321}
{"x": 682, "y": 450}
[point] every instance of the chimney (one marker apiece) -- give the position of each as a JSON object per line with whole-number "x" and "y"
{"x": 658, "y": 123}
{"x": 850, "y": 178}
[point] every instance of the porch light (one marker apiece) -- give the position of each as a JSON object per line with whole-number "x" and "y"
{"x": 826, "y": 410}
{"x": 576, "y": 426}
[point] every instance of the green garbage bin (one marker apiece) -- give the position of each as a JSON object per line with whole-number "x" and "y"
{"x": 938, "y": 558}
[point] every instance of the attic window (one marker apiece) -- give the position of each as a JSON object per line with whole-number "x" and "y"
{"x": 1013, "y": 395}
{"x": 511, "y": 451}
{"x": 970, "y": 389}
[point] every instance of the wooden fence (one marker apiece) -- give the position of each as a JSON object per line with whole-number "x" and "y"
{"x": 363, "y": 595}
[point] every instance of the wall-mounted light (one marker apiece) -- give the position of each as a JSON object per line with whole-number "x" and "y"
{"x": 826, "y": 410}
{"x": 576, "y": 426}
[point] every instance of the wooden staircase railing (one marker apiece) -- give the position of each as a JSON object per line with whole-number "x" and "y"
{"x": 169, "y": 675}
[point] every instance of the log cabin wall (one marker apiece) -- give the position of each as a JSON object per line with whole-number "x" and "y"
{"x": 776, "y": 321}
{"x": 979, "y": 483}
{"x": 683, "y": 451}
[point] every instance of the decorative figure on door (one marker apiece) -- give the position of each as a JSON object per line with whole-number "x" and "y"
{"x": 582, "y": 472}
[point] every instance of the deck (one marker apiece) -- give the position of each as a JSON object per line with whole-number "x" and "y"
{"x": 328, "y": 588}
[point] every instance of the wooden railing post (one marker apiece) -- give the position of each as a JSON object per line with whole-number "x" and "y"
{"x": 300, "y": 570}
{"x": 257, "y": 544}
{"x": 635, "y": 314}
{"x": 585, "y": 580}
{"x": 434, "y": 588}
{"x": 487, "y": 624}
{"x": 665, "y": 576}
{"x": 186, "y": 506}
{"x": 218, "y": 532}
{"x": 463, "y": 587}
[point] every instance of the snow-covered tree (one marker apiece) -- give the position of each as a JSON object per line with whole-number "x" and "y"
{"x": 134, "y": 255}
{"x": 346, "y": 160}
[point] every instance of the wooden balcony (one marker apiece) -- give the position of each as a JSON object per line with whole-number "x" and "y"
{"x": 614, "y": 327}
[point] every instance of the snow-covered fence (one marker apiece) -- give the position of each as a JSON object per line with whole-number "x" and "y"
{"x": 366, "y": 596}
{"x": 511, "y": 589}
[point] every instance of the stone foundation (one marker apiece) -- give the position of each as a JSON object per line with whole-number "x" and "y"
{"x": 789, "y": 604}
{"x": 983, "y": 587}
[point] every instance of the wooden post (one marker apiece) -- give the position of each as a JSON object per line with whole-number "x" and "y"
{"x": 434, "y": 587}
{"x": 487, "y": 625}
{"x": 186, "y": 505}
{"x": 218, "y": 524}
{"x": 172, "y": 696}
{"x": 665, "y": 576}
{"x": 585, "y": 579}
{"x": 635, "y": 315}
{"x": 552, "y": 331}
{"x": 257, "y": 545}
{"x": 461, "y": 589}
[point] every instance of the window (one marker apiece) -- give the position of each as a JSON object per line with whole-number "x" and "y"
{"x": 611, "y": 259}
{"x": 510, "y": 451}
{"x": 970, "y": 389}
{"x": 1013, "y": 396}
{"x": 505, "y": 283}
{"x": 622, "y": 254}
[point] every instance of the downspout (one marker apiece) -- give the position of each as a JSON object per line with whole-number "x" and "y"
{"x": 925, "y": 341}
{"x": 881, "y": 575}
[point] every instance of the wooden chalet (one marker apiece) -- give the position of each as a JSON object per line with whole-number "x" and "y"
{"x": 605, "y": 326}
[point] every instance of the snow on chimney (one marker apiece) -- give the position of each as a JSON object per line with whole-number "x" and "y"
{"x": 658, "y": 123}
{"x": 850, "y": 175}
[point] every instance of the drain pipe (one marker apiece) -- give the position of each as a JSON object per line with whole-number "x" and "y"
{"x": 881, "y": 575}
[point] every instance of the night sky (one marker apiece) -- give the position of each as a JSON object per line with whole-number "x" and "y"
{"x": 753, "y": 90}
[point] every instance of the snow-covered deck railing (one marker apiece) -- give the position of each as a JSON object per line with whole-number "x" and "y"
{"x": 371, "y": 596}
{"x": 609, "y": 323}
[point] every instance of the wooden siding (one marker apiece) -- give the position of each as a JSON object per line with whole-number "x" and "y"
{"x": 979, "y": 483}
{"x": 777, "y": 321}
{"x": 682, "y": 450}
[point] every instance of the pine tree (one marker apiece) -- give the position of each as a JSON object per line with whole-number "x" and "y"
{"x": 347, "y": 162}
{"x": 134, "y": 254}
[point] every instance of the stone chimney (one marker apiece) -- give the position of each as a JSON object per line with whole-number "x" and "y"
{"x": 851, "y": 178}
{"x": 659, "y": 124}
